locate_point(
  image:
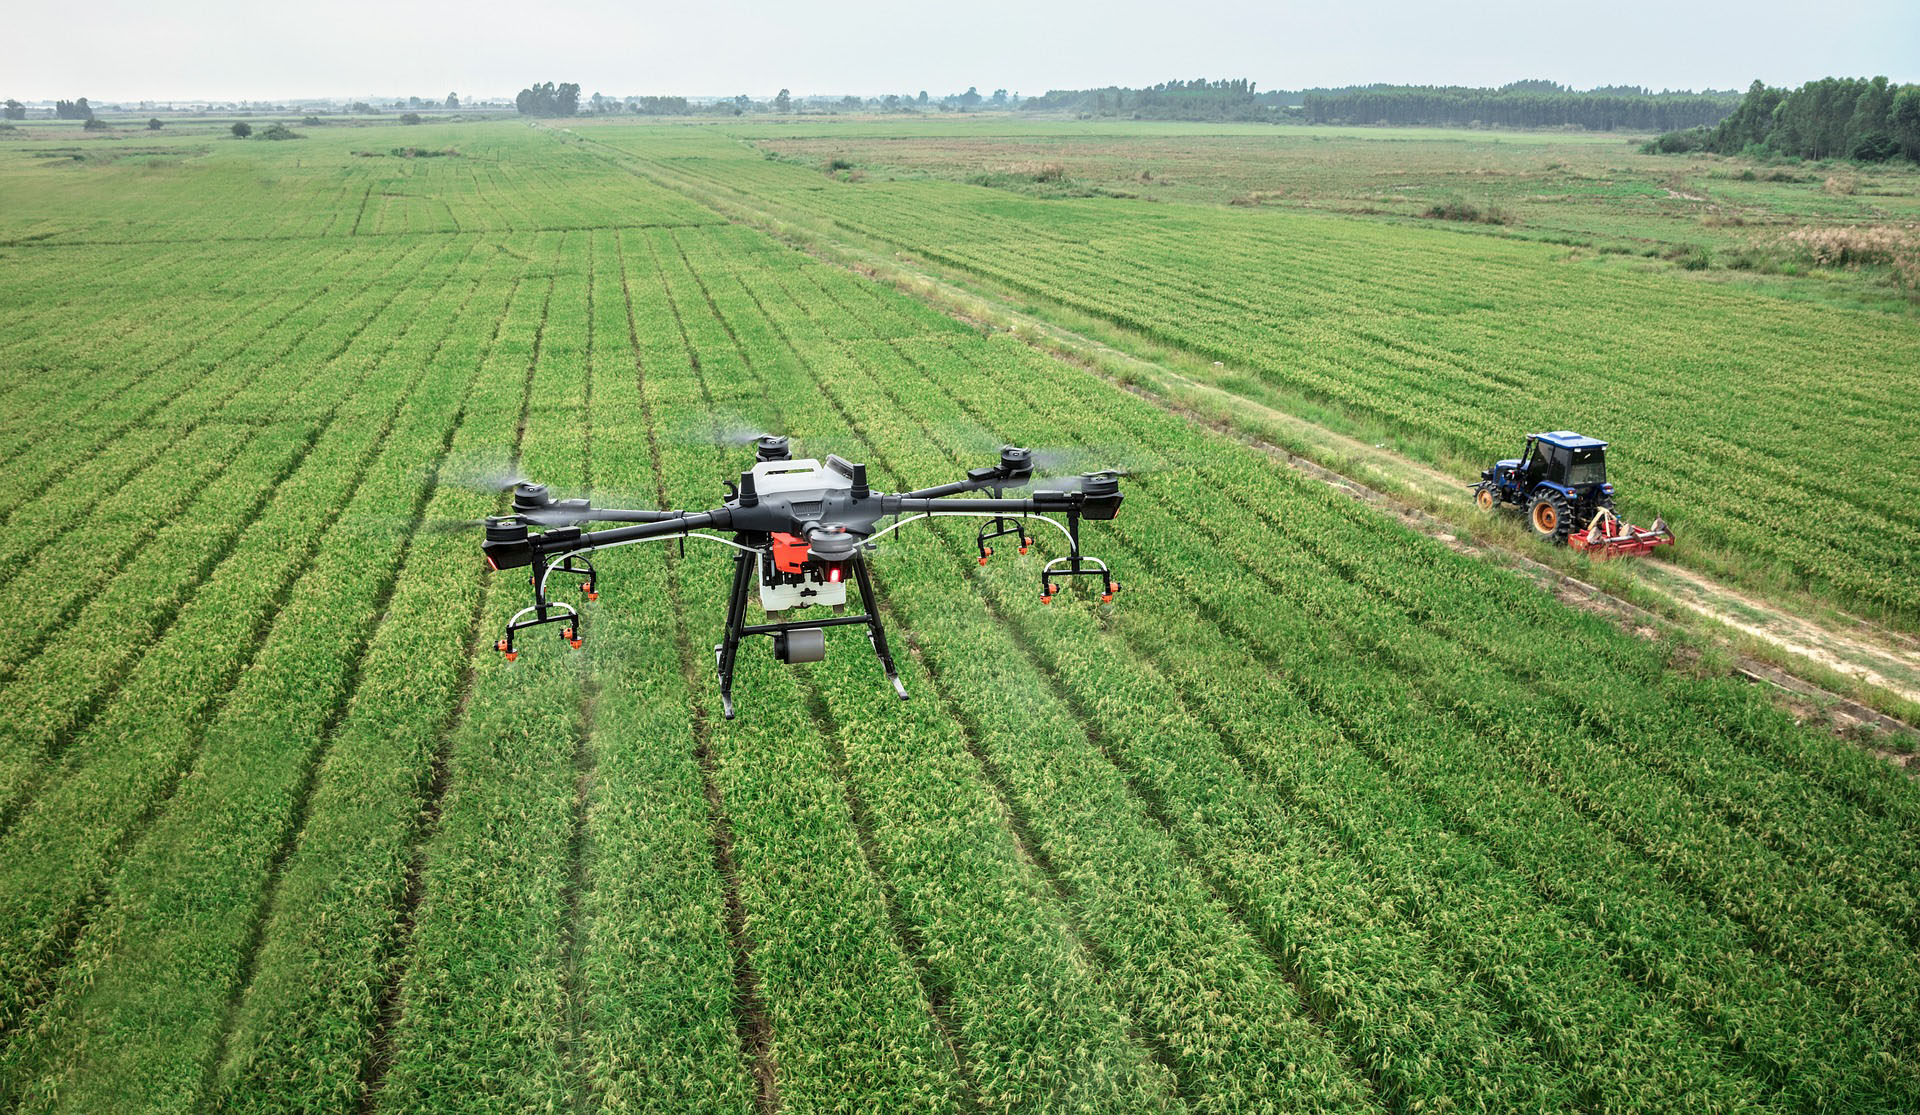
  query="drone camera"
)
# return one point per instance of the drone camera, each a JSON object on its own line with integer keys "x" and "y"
{"x": 507, "y": 545}
{"x": 803, "y": 644}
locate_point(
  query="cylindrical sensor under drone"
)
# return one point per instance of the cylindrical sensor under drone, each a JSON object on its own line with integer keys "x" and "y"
{"x": 808, "y": 644}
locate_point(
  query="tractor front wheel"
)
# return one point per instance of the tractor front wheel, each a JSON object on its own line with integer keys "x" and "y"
{"x": 1483, "y": 498}
{"x": 1549, "y": 514}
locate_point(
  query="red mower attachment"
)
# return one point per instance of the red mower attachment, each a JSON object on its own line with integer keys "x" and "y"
{"x": 1610, "y": 536}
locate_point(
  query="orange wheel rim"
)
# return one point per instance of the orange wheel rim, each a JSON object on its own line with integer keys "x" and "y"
{"x": 1545, "y": 518}
{"x": 1485, "y": 499}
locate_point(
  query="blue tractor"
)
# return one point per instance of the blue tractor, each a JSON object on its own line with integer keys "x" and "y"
{"x": 1560, "y": 479}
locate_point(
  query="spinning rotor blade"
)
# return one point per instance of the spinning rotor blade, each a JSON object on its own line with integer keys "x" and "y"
{"x": 491, "y": 472}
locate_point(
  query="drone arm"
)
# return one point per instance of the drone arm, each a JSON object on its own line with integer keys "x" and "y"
{"x": 664, "y": 524}
{"x": 614, "y": 515}
{"x": 1088, "y": 505}
{"x": 510, "y": 545}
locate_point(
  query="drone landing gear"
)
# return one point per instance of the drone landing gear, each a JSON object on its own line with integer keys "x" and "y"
{"x": 798, "y": 640}
{"x": 1075, "y": 564}
{"x": 552, "y": 611}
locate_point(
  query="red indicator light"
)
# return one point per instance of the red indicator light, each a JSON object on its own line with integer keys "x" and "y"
{"x": 833, "y": 575}
{"x": 491, "y": 565}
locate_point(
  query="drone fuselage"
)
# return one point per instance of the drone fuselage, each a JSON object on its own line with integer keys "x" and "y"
{"x": 789, "y": 576}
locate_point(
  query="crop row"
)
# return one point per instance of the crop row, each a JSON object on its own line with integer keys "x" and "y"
{"x": 64, "y": 465}
{"x": 194, "y": 883}
{"x": 1082, "y": 429}
{"x": 114, "y": 771}
{"x": 177, "y": 533}
{"x": 334, "y": 184}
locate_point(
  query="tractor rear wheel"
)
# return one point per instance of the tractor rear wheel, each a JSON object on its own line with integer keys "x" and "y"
{"x": 1483, "y": 498}
{"x": 1549, "y": 514}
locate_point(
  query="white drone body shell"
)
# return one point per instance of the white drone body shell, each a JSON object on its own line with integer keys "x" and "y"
{"x": 784, "y": 478}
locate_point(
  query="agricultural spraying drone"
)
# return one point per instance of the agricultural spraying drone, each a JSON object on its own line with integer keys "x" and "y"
{"x": 801, "y": 529}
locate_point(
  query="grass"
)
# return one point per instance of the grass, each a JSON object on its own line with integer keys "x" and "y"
{"x": 1317, "y": 815}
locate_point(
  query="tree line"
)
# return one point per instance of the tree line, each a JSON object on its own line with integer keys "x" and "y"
{"x": 1522, "y": 104}
{"x": 1198, "y": 99}
{"x": 1869, "y": 119}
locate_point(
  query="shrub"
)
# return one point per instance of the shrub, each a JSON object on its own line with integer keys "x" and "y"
{"x": 280, "y": 131}
{"x": 94, "y": 124}
{"x": 1894, "y": 247}
{"x": 155, "y": 124}
{"x": 242, "y": 129}
{"x": 1458, "y": 209}
{"x": 1676, "y": 143}
{"x": 409, "y": 118}
{"x": 1690, "y": 257}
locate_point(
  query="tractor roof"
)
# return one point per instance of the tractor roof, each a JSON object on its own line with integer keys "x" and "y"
{"x": 1567, "y": 439}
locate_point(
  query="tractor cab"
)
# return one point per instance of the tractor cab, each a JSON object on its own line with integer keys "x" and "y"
{"x": 1560, "y": 479}
{"x": 1564, "y": 460}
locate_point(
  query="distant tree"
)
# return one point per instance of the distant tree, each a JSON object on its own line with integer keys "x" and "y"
{"x": 601, "y": 103}
{"x": 891, "y": 102}
{"x": 453, "y": 100}
{"x": 548, "y": 99}
{"x": 95, "y": 124}
{"x": 16, "y": 110}
{"x": 409, "y": 118}
{"x": 241, "y": 129}
{"x": 361, "y": 108}
{"x": 154, "y": 124}
{"x": 971, "y": 98}
{"x": 851, "y": 103}
{"x": 998, "y": 99}
{"x": 741, "y": 104}
{"x": 783, "y": 101}
{"x": 922, "y": 98}
{"x": 1903, "y": 121}
{"x": 73, "y": 110}
{"x": 280, "y": 131}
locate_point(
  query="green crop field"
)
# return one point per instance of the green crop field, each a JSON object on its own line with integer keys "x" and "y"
{"x": 1318, "y": 814}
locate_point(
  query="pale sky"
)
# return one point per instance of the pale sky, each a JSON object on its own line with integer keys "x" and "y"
{"x": 120, "y": 50}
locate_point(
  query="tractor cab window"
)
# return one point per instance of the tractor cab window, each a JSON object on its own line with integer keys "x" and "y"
{"x": 1533, "y": 463}
{"x": 1589, "y": 466}
{"x": 1555, "y": 460}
